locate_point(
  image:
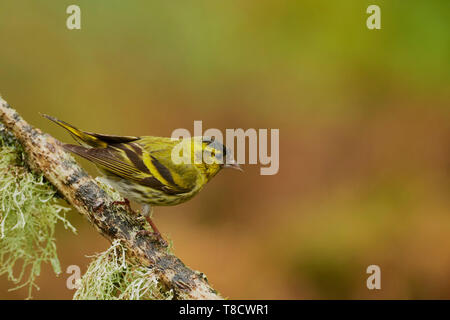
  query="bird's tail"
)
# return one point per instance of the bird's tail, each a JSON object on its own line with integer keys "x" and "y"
{"x": 84, "y": 138}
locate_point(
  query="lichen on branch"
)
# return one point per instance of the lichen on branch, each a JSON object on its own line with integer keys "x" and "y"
{"x": 29, "y": 211}
{"x": 111, "y": 276}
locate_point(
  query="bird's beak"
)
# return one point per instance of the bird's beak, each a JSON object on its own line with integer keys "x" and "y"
{"x": 233, "y": 165}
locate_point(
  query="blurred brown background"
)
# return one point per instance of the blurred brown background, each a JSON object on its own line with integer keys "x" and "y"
{"x": 364, "y": 132}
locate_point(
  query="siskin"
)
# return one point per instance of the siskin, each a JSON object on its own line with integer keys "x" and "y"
{"x": 142, "y": 169}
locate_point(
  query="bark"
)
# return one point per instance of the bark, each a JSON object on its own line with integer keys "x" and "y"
{"x": 46, "y": 155}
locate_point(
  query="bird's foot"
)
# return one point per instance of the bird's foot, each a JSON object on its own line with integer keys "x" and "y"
{"x": 155, "y": 235}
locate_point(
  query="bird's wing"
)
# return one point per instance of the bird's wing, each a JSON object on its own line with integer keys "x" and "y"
{"x": 130, "y": 161}
{"x": 108, "y": 159}
{"x": 180, "y": 176}
{"x": 108, "y": 138}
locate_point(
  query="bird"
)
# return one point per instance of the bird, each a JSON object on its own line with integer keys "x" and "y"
{"x": 150, "y": 170}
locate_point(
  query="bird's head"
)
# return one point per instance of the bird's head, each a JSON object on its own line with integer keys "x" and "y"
{"x": 216, "y": 156}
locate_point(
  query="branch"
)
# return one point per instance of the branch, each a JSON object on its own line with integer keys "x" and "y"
{"x": 46, "y": 155}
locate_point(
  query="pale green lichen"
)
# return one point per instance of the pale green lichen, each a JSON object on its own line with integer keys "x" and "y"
{"x": 111, "y": 276}
{"x": 29, "y": 211}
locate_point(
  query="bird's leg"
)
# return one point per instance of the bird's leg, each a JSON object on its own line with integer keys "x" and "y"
{"x": 147, "y": 212}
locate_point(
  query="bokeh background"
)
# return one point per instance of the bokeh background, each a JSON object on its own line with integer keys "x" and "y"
{"x": 364, "y": 119}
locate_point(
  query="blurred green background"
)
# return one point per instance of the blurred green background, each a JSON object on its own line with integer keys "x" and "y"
{"x": 364, "y": 132}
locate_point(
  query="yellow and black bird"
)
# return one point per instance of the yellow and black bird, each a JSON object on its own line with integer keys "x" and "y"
{"x": 144, "y": 169}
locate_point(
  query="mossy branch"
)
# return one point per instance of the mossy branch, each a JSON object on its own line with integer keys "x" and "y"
{"x": 44, "y": 155}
